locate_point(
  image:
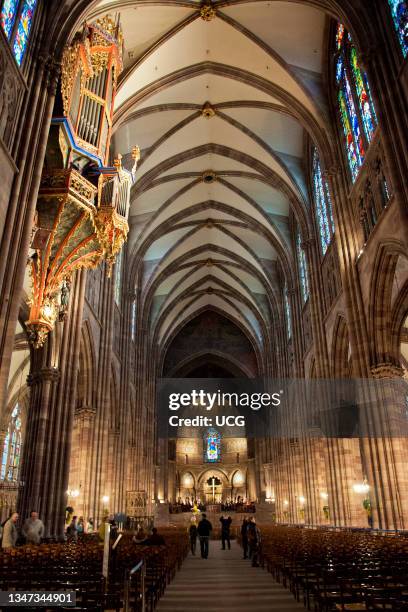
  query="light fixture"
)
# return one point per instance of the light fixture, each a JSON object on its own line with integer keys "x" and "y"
{"x": 105, "y": 499}
{"x": 361, "y": 487}
{"x": 324, "y": 495}
{"x": 302, "y": 499}
{"x": 285, "y": 502}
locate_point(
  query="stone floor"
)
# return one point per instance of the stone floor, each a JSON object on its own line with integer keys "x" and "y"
{"x": 225, "y": 583}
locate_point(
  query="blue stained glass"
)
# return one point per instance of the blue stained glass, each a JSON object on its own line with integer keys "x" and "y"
{"x": 212, "y": 453}
{"x": 354, "y": 120}
{"x": 23, "y": 29}
{"x": 356, "y": 105}
{"x": 364, "y": 96}
{"x": 8, "y": 16}
{"x": 399, "y": 11}
{"x": 339, "y": 68}
{"x": 323, "y": 204}
{"x": 304, "y": 281}
{"x": 287, "y": 313}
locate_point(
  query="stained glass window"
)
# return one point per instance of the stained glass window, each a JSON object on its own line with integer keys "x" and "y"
{"x": 133, "y": 320}
{"x": 304, "y": 281}
{"x": 23, "y": 29}
{"x": 9, "y": 11}
{"x": 399, "y": 11}
{"x": 323, "y": 204}
{"x": 356, "y": 106}
{"x": 212, "y": 446}
{"x": 364, "y": 96}
{"x": 12, "y": 448}
{"x": 22, "y": 12}
{"x": 287, "y": 313}
{"x": 118, "y": 277}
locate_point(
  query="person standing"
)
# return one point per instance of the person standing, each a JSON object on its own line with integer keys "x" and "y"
{"x": 254, "y": 542}
{"x": 244, "y": 537}
{"x": 193, "y": 538}
{"x": 33, "y": 529}
{"x": 204, "y": 530}
{"x": 72, "y": 530}
{"x": 225, "y": 531}
{"x": 10, "y": 533}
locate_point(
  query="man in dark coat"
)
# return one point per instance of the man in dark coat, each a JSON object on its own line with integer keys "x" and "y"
{"x": 244, "y": 537}
{"x": 225, "y": 531}
{"x": 204, "y": 530}
{"x": 254, "y": 542}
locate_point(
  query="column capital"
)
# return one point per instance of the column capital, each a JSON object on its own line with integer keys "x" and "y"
{"x": 386, "y": 370}
{"x": 54, "y": 70}
{"x": 43, "y": 375}
{"x": 131, "y": 295}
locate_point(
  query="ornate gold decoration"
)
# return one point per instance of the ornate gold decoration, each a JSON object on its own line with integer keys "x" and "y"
{"x": 208, "y": 176}
{"x": 207, "y": 111}
{"x": 70, "y": 61}
{"x": 386, "y": 370}
{"x": 207, "y": 11}
{"x": 78, "y": 226}
{"x": 80, "y": 223}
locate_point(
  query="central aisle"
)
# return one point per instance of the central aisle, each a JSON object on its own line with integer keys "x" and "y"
{"x": 225, "y": 582}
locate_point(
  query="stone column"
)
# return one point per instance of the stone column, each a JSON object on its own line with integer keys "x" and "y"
{"x": 80, "y": 476}
{"x": 35, "y": 125}
{"x": 3, "y": 434}
{"x": 47, "y": 448}
{"x": 387, "y": 449}
{"x": 99, "y": 448}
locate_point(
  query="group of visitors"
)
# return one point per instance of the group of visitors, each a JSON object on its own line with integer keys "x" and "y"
{"x": 31, "y": 533}
{"x": 251, "y": 540}
{"x": 77, "y": 527}
{"x": 203, "y": 531}
{"x": 250, "y": 536}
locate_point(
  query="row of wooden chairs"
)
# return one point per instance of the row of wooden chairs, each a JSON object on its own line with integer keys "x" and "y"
{"x": 339, "y": 570}
{"x": 78, "y": 567}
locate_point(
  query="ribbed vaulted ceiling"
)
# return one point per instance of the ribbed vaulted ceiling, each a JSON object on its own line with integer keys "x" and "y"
{"x": 220, "y": 110}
